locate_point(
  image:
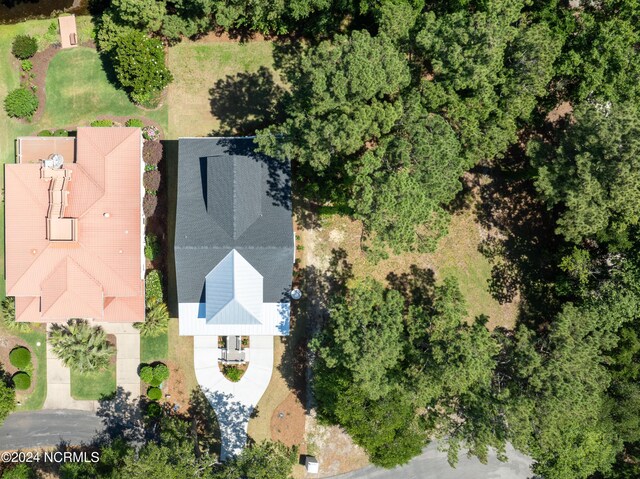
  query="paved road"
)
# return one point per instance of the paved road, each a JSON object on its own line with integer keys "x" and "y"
{"x": 433, "y": 464}
{"x": 48, "y": 428}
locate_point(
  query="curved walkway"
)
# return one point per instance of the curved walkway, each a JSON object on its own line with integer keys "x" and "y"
{"x": 233, "y": 402}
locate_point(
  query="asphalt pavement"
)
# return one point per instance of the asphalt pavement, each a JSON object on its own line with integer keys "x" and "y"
{"x": 432, "y": 464}
{"x": 48, "y": 428}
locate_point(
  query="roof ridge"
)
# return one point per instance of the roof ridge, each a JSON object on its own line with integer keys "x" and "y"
{"x": 64, "y": 277}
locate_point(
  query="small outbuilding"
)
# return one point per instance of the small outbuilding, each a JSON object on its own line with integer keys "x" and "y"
{"x": 312, "y": 465}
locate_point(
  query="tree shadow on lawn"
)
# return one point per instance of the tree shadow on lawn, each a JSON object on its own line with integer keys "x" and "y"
{"x": 246, "y": 102}
{"x": 309, "y": 315}
{"x": 521, "y": 242}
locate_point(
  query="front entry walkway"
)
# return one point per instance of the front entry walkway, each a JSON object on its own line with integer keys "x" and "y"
{"x": 233, "y": 402}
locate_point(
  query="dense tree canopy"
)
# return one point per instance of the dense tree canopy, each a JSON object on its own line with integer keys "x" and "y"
{"x": 594, "y": 172}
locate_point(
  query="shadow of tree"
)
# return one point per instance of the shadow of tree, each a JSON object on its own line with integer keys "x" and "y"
{"x": 521, "y": 241}
{"x": 232, "y": 417}
{"x": 204, "y": 423}
{"x": 309, "y": 314}
{"x": 417, "y": 286}
{"x": 122, "y": 418}
{"x": 246, "y": 102}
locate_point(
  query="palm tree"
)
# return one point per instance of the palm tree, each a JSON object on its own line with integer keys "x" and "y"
{"x": 80, "y": 346}
{"x": 156, "y": 320}
{"x": 8, "y": 311}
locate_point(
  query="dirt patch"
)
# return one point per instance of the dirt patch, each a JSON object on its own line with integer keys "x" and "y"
{"x": 40, "y": 62}
{"x": 7, "y": 343}
{"x": 335, "y": 450}
{"x": 288, "y": 422}
{"x": 560, "y": 111}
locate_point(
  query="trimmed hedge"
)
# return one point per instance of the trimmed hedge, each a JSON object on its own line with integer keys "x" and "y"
{"x": 153, "y": 287}
{"x": 151, "y": 247}
{"x": 21, "y": 103}
{"x": 161, "y": 372}
{"x": 103, "y": 122}
{"x": 152, "y": 152}
{"x": 45, "y": 133}
{"x": 149, "y": 205}
{"x": 154, "y": 393}
{"x": 61, "y": 132}
{"x": 21, "y": 380}
{"x": 154, "y": 375}
{"x": 20, "y": 357}
{"x": 146, "y": 374}
{"x": 24, "y": 46}
{"x": 151, "y": 180}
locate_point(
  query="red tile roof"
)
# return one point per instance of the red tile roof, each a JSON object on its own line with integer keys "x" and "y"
{"x": 74, "y": 278}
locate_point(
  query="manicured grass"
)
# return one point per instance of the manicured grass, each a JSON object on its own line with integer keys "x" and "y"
{"x": 196, "y": 68}
{"x": 154, "y": 348}
{"x": 94, "y": 385}
{"x": 78, "y": 91}
{"x": 39, "y": 376}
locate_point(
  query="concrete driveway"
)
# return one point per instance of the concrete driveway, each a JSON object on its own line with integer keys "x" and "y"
{"x": 233, "y": 402}
{"x": 432, "y": 464}
{"x": 127, "y": 362}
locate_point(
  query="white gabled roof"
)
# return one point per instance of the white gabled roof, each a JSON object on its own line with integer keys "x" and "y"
{"x": 234, "y": 292}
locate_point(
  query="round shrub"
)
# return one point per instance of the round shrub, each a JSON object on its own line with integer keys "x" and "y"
{"x": 20, "y": 357}
{"x": 161, "y": 373}
{"x": 61, "y": 133}
{"x": 21, "y": 380}
{"x": 24, "y": 46}
{"x": 154, "y": 393}
{"x": 26, "y": 65}
{"x": 149, "y": 205}
{"x": 151, "y": 180}
{"x": 153, "y": 410}
{"x": 134, "y": 122}
{"x": 21, "y": 103}
{"x": 45, "y": 133}
{"x": 233, "y": 373}
{"x": 152, "y": 152}
{"x": 146, "y": 374}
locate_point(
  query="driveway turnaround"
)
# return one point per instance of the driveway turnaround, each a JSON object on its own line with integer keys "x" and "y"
{"x": 432, "y": 464}
{"x": 233, "y": 402}
{"x": 48, "y": 428}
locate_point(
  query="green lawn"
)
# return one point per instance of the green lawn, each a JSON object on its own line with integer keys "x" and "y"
{"x": 155, "y": 348}
{"x": 94, "y": 385}
{"x": 39, "y": 394}
{"x": 197, "y": 67}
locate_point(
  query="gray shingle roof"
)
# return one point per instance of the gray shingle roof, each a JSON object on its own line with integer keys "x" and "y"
{"x": 230, "y": 197}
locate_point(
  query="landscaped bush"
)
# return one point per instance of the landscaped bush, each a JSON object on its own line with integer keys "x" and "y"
{"x": 152, "y": 152}
{"x": 81, "y": 346}
{"x": 156, "y": 320}
{"x": 154, "y": 375}
{"x": 151, "y": 247}
{"x": 146, "y": 374}
{"x": 45, "y": 133}
{"x": 103, "y": 122}
{"x": 151, "y": 180}
{"x": 21, "y": 380}
{"x": 161, "y": 373}
{"x": 139, "y": 65}
{"x": 232, "y": 373}
{"x": 153, "y": 287}
{"x": 150, "y": 133}
{"x": 21, "y": 103}
{"x": 61, "y": 133}
{"x": 19, "y": 471}
{"x": 154, "y": 393}
{"x": 26, "y": 65}
{"x": 24, "y": 46}
{"x": 153, "y": 410}
{"x": 134, "y": 122}
{"x": 20, "y": 357}
{"x": 149, "y": 205}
